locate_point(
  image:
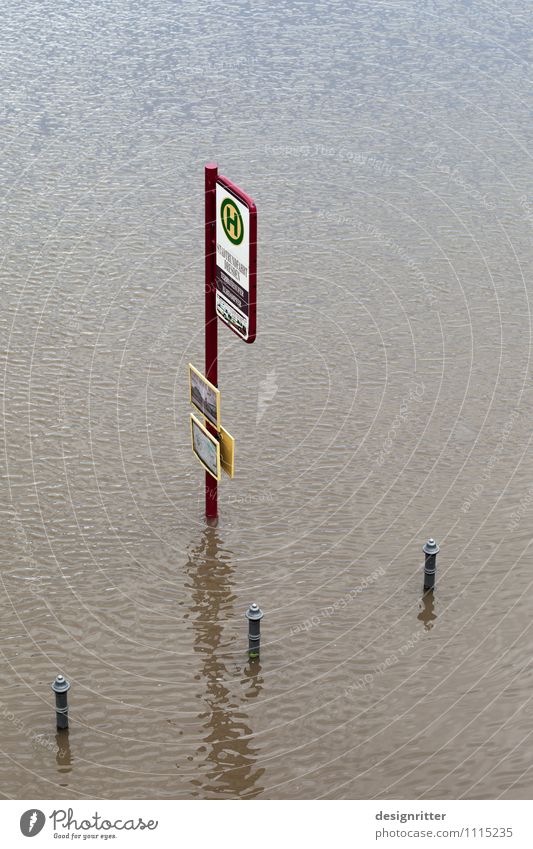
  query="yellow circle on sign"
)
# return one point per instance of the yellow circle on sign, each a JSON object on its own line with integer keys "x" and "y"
{"x": 232, "y": 221}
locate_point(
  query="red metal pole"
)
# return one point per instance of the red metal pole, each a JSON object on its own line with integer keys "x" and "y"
{"x": 211, "y": 340}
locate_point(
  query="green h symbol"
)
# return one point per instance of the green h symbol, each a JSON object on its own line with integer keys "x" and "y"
{"x": 232, "y": 221}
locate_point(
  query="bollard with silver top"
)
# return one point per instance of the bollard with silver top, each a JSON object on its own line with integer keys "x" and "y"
{"x": 61, "y": 687}
{"x": 431, "y": 550}
{"x": 254, "y": 614}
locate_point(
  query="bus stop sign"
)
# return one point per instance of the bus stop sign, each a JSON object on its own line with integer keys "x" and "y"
{"x": 236, "y": 259}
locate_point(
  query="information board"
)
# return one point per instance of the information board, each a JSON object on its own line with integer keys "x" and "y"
{"x": 206, "y": 447}
{"x": 204, "y": 396}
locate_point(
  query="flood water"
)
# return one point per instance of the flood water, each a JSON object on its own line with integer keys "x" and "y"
{"x": 387, "y": 399}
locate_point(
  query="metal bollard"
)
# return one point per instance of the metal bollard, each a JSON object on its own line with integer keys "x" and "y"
{"x": 431, "y": 550}
{"x": 61, "y": 687}
{"x": 254, "y": 614}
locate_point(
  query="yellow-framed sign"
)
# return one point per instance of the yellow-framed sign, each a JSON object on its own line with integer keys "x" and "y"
{"x": 206, "y": 447}
{"x": 205, "y": 396}
{"x": 227, "y": 452}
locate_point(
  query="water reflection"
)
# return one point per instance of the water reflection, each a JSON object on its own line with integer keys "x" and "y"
{"x": 427, "y": 614}
{"x": 230, "y": 755}
{"x": 63, "y": 754}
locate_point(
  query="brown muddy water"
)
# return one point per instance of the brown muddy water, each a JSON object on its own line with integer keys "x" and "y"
{"x": 387, "y": 399}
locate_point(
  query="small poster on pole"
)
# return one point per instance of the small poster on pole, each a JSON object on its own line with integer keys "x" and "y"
{"x": 236, "y": 259}
{"x": 204, "y": 396}
{"x": 206, "y": 447}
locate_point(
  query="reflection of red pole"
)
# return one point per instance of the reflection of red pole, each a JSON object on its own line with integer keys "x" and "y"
{"x": 211, "y": 172}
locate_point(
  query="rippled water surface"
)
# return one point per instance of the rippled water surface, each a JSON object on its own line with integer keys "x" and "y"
{"x": 387, "y": 399}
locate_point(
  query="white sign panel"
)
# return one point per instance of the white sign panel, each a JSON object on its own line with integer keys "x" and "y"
{"x": 233, "y": 264}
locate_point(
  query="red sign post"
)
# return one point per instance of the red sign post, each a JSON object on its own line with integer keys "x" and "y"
{"x": 230, "y": 279}
{"x": 211, "y": 328}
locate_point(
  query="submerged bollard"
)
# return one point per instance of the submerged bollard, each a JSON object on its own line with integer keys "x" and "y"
{"x": 254, "y": 614}
{"x": 61, "y": 687}
{"x": 431, "y": 550}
